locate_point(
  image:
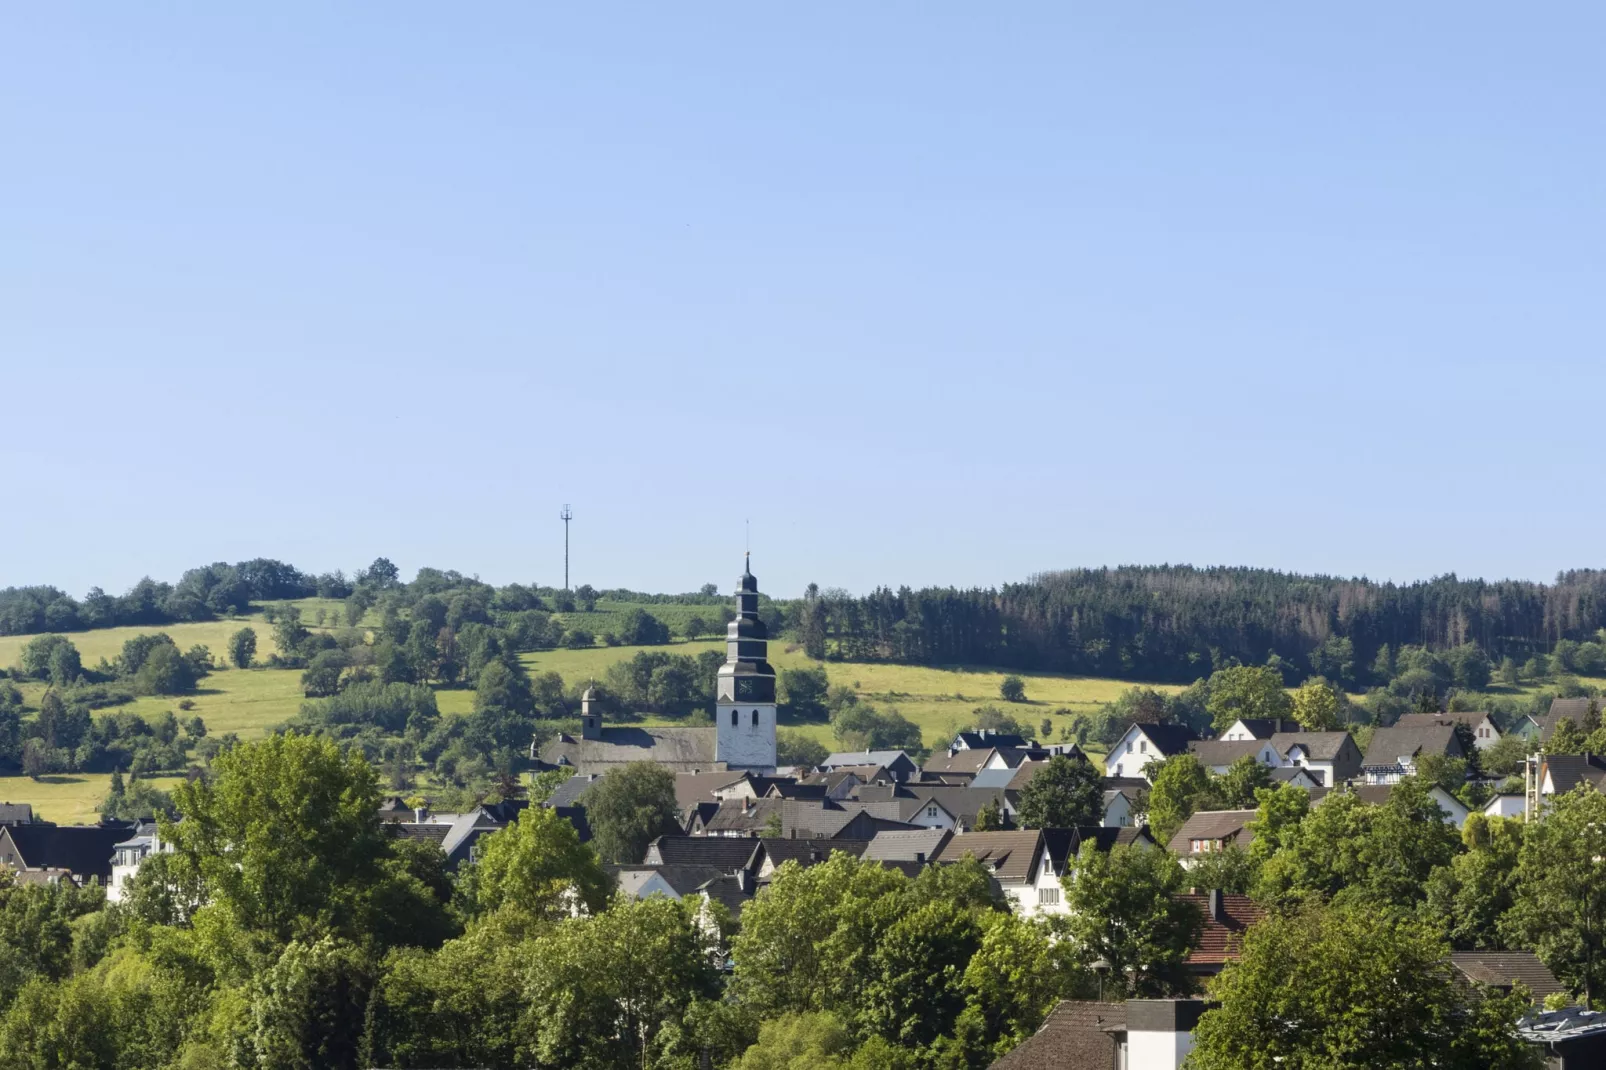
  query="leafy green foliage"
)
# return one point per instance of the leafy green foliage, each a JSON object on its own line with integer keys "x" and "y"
{"x": 1123, "y": 908}
{"x": 1066, "y": 793}
{"x": 1012, "y": 689}
{"x": 1246, "y": 691}
{"x": 1349, "y": 985}
{"x": 1559, "y": 907}
{"x": 628, "y": 808}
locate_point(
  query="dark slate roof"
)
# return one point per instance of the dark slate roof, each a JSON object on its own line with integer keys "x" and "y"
{"x": 1221, "y": 939}
{"x": 1320, "y": 746}
{"x": 1211, "y": 752}
{"x": 569, "y": 792}
{"x": 1390, "y": 744}
{"x": 727, "y": 853}
{"x": 1502, "y": 969}
{"x": 432, "y": 831}
{"x": 1213, "y": 825}
{"x": 1076, "y": 1035}
{"x": 907, "y": 846}
{"x": 16, "y": 814}
{"x": 732, "y": 891}
{"x": 1063, "y": 845}
{"x": 683, "y": 879}
{"x": 85, "y": 850}
{"x": 780, "y": 850}
{"x": 1294, "y": 772}
{"x": 1132, "y": 785}
{"x": 1266, "y": 727}
{"x": 988, "y": 738}
{"x": 746, "y": 816}
{"x": 1567, "y": 771}
{"x": 1011, "y": 855}
{"x": 576, "y": 816}
{"x": 1169, "y": 739}
{"x": 680, "y": 749}
{"x": 793, "y": 789}
{"x": 1573, "y": 708}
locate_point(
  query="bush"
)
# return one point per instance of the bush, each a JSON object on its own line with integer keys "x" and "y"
{"x": 1012, "y": 689}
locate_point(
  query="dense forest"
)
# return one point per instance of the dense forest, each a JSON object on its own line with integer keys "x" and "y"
{"x": 1176, "y": 622}
{"x": 1166, "y": 622}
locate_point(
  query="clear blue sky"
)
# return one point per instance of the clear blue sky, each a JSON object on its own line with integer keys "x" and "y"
{"x": 932, "y": 293}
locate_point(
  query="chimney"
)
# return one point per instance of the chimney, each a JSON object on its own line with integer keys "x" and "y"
{"x": 1218, "y": 906}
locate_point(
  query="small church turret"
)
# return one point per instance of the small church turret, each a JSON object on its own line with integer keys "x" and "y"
{"x": 590, "y": 719}
{"x": 744, "y": 713}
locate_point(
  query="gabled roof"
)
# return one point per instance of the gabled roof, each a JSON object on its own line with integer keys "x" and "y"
{"x": 1567, "y": 771}
{"x": 1391, "y": 744}
{"x": 1321, "y": 746}
{"x": 1502, "y": 969}
{"x": 680, "y": 749}
{"x": 907, "y": 846}
{"x": 568, "y": 793}
{"x": 804, "y": 852}
{"x": 693, "y": 788}
{"x": 1012, "y": 856}
{"x": 1168, "y": 739}
{"x": 1221, "y": 939}
{"x": 964, "y": 761}
{"x": 683, "y": 879}
{"x": 743, "y": 815}
{"x": 886, "y": 758}
{"x": 1284, "y": 774}
{"x": 725, "y": 853}
{"x": 733, "y": 891}
{"x": 986, "y": 737}
{"x": 1570, "y": 709}
{"x": 1076, "y": 1035}
{"x": 1214, "y": 752}
{"x": 1230, "y": 825}
{"x": 16, "y": 813}
{"x": 1132, "y": 785}
{"x": 1001, "y": 778}
{"x": 793, "y": 789}
{"x": 1062, "y": 845}
{"x": 1266, "y": 727}
{"x": 1470, "y": 718}
{"x": 84, "y": 850}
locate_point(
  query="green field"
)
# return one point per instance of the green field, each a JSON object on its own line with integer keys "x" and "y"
{"x": 251, "y": 701}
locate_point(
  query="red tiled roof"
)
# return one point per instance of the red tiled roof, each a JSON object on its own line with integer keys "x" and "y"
{"x": 1222, "y": 941}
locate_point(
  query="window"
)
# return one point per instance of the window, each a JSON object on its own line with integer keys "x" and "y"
{"x": 1144, "y": 746}
{"x": 1129, "y": 746}
{"x": 1048, "y": 896}
{"x": 931, "y": 811}
{"x": 755, "y": 718}
{"x": 734, "y": 714}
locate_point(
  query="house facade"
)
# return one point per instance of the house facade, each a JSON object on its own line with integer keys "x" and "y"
{"x": 1143, "y": 743}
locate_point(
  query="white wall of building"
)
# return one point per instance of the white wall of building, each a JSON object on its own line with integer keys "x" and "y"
{"x": 740, "y": 742}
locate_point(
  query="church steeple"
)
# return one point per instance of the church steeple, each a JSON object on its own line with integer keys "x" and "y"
{"x": 745, "y": 690}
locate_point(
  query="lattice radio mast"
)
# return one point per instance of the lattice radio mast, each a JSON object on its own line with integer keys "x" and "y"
{"x": 567, "y": 515}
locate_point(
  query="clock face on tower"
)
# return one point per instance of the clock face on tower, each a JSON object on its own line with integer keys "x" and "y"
{"x": 746, "y": 688}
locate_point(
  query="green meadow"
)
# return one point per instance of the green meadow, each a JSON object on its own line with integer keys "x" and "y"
{"x": 250, "y": 702}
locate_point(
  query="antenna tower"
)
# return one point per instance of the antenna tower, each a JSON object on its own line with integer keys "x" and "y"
{"x": 567, "y": 515}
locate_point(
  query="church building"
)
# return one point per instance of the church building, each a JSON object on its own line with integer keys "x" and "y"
{"x": 743, "y": 736}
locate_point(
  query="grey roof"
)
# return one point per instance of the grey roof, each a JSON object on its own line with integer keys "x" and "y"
{"x": 987, "y": 737}
{"x": 1011, "y": 855}
{"x": 16, "y": 813}
{"x": 864, "y": 757}
{"x": 743, "y": 815}
{"x": 569, "y": 792}
{"x": 732, "y": 891}
{"x": 683, "y": 879}
{"x": 1470, "y": 718}
{"x": 1502, "y": 969}
{"x": 808, "y": 852}
{"x": 1231, "y": 825}
{"x": 681, "y": 749}
{"x": 999, "y": 778}
{"x": 1390, "y": 744}
{"x": 1213, "y": 752}
{"x": 1556, "y": 1027}
{"x": 1286, "y": 773}
{"x": 1567, "y": 771}
{"x": 693, "y": 788}
{"x": 964, "y": 761}
{"x": 1321, "y": 746}
{"x": 906, "y": 846}
{"x": 1266, "y": 727}
{"x": 1169, "y": 739}
{"x": 1063, "y": 845}
{"x": 84, "y": 850}
{"x": 725, "y": 853}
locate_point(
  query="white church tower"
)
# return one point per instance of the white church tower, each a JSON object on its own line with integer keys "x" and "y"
{"x": 744, "y": 711}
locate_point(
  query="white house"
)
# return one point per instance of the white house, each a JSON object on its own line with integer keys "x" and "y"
{"x": 1332, "y": 756}
{"x": 129, "y": 855}
{"x": 1117, "y": 809}
{"x": 1507, "y": 804}
{"x": 1258, "y": 728}
{"x": 1141, "y": 744}
{"x": 1030, "y": 865}
{"x": 1218, "y": 755}
{"x": 1485, "y": 733}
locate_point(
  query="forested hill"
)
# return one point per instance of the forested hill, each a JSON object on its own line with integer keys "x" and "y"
{"x": 1176, "y": 622}
{"x": 1166, "y": 622}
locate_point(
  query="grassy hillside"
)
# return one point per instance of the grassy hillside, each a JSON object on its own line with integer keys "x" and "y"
{"x": 251, "y": 701}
